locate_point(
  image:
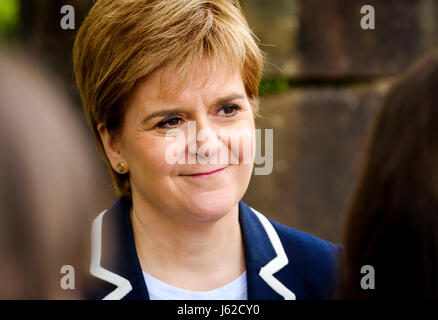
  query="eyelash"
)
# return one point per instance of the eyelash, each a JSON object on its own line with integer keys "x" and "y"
{"x": 231, "y": 105}
{"x": 163, "y": 123}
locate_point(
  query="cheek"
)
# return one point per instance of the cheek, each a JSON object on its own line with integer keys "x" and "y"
{"x": 148, "y": 157}
{"x": 241, "y": 142}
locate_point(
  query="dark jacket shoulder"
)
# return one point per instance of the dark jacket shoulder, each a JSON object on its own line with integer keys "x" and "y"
{"x": 315, "y": 261}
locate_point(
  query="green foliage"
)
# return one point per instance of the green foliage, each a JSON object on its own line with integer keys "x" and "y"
{"x": 270, "y": 86}
{"x": 9, "y": 15}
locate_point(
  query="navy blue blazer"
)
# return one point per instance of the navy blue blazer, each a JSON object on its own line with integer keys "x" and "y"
{"x": 281, "y": 262}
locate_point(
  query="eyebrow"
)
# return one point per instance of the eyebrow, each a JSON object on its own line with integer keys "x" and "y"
{"x": 171, "y": 112}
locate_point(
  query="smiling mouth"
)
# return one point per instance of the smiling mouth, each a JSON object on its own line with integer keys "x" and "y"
{"x": 204, "y": 174}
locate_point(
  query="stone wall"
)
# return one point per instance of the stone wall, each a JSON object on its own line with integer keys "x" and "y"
{"x": 323, "y": 38}
{"x": 338, "y": 74}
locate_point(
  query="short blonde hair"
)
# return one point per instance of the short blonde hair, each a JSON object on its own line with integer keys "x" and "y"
{"x": 121, "y": 42}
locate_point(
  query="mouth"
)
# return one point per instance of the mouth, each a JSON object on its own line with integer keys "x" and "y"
{"x": 204, "y": 174}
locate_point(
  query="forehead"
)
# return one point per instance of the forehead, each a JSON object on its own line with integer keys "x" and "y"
{"x": 209, "y": 78}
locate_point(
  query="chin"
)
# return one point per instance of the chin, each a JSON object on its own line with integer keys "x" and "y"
{"x": 212, "y": 206}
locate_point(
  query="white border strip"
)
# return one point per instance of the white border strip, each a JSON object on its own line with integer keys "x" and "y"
{"x": 279, "y": 262}
{"x": 123, "y": 284}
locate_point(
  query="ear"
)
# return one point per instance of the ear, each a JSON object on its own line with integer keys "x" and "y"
{"x": 112, "y": 148}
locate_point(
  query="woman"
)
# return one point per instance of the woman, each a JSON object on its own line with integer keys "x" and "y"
{"x": 150, "y": 73}
{"x": 392, "y": 225}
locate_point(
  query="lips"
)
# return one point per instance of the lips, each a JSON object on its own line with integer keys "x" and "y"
{"x": 204, "y": 173}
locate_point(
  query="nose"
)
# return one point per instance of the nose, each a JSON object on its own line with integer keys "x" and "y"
{"x": 203, "y": 141}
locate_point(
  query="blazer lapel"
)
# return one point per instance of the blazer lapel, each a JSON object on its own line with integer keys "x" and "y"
{"x": 120, "y": 266}
{"x": 264, "y": 255}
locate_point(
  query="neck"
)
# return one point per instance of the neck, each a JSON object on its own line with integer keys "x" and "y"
{"x": 194, "y": 255}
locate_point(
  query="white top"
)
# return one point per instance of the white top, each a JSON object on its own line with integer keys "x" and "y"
{"x": 159, "y": 290}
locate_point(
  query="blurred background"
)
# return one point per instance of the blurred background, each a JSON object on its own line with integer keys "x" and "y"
{"x": 324, "y": 80}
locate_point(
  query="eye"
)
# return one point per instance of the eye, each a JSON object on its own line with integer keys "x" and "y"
{"x": 229, "y": 110}
{"x": 169, "y": 123}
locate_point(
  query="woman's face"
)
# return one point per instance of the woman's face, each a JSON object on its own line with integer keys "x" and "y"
{"x": 159, "y": 130}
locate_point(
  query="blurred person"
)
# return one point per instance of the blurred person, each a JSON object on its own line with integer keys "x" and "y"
{"x": 392, "y": 223}
{"x": 144, "y": 70}
{"x": 50, "y": 186}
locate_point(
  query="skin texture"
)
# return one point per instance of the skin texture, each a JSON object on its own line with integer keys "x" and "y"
{"x": 186, "y": 226}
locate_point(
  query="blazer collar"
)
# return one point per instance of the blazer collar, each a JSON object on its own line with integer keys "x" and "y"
{"x": 112, "y": 233}
{"x": 264, "y": 254}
